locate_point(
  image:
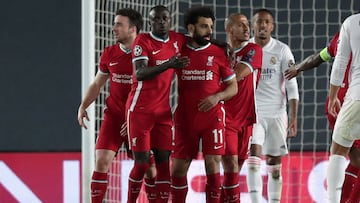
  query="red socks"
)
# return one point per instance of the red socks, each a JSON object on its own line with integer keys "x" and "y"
{"x": 213, "y": 188}
{"x": 150, "y": 189}
{"x": 163, "y": 182}
{"x": 99, "y": 182}
{"x": 135, "y": 181}
{"x": 355, "y": 194}
{"x": 179, "y": 189}
{"x": 349, "y": 182}
{"x": 231, "y": 187}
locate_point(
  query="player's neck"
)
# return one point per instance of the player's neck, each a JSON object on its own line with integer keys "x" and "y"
{"x": 262, "y": 42}
{"x": 127, "y": 43}
{"x": 235, "y": 44}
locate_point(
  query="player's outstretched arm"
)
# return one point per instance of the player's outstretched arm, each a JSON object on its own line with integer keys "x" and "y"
{"x": 143, "y": 72}
{"x": 90, "y": 96}
{"x": 310, "y": 62}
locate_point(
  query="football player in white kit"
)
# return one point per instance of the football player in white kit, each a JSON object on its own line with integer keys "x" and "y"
{"x": 347, "y": 125}
{"x": 273, "y": 126}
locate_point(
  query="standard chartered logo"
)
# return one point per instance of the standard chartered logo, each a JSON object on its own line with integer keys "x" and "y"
{"x": 197, "y": 75}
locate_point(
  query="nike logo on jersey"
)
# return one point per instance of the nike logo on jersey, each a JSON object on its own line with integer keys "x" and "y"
{"x": 155, "y": 52}
{"x": 218, "y": 147}
{"x": 113, "y": 64}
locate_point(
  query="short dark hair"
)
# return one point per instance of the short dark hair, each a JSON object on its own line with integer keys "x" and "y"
{"x": 193, "y": 14}
{"x": 266, "y": 11}
{"x": 159, "y": 8}
{"x": 135, "y": 18}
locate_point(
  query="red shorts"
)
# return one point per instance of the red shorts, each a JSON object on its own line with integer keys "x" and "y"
{"x": 150, "y": 131}
{"x": 237, "y": 141}
{"x": 332, "y": 119}
{"x": 109, "y": 135}
{"x": 209, "y": 127}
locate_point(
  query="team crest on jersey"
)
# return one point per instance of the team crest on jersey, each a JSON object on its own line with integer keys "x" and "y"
{"x": 176, "y": 47}
{"x": 137, "y": 50}
{"x": 210, "y": 61}
{"x": 209, "y": 75}
{"x": 273, "y": 60}
{"x": 133, "y": 141}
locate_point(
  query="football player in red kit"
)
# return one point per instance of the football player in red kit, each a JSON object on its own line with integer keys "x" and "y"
{"x": 115, "y": 65}
{"x": 200, "y": 113}
{"x": 240, "y": 110}
{"x": 155, "y": 56}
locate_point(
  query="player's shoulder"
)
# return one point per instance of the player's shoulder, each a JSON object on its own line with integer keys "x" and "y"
{"x": 252, "y": 45}
{"x": 355, "y": 17}
{"x": 143, "y": 36}
{"x": 279, "y": 43}
{"x": 110, "y": 49}
{"x": 176, "y": 36}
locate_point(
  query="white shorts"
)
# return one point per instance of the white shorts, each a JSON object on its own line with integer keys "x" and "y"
{"x": 347, "y": 125}
{"x": 271, "y": 134}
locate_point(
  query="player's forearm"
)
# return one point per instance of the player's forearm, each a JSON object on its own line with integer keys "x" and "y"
{"x": 310, "y": 62}
{"x": 293, "y": 109}
{"x": 333, "y": 91}
{"x": 148, "y": 73}
{"x": 90, "y": 96}
{"x": 230, "y": 91}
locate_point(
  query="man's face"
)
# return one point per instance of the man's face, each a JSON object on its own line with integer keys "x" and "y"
{"x": 203, "y": 30}
{"x": 160, "y": 22}
{"x": 122, "y": 29}
{"x": 240, "y": 29}
{"x": 263, "y": 25}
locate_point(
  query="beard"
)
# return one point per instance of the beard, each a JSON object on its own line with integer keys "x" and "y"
{"x": 199, "y": 39}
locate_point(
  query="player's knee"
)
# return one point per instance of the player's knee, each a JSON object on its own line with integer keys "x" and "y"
{"x": 254, "y": 163}
{"x": 230, "y": 163}
{"x": 354, "y": 156}
{"x": 274, "y": 170}
{"x": 141, "y": 157}
{"x": 161, "y": 156}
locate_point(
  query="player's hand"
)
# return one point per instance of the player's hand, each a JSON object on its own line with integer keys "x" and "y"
{"x": 123, "y": 130}
{"x": 291, "y": 72}
{"x": 81, "y": 115}
{"x": 292, "y": 128}
{"x": 334, "y": 106}
{"x": 208, "y": 103}
{"x": 179, "y": 61}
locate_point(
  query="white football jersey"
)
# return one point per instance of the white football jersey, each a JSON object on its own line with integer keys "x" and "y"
{"x": 274, "y": 89}
{"x": 349, "y": 43}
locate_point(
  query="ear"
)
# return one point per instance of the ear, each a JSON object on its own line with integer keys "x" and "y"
{"x": 191, "y": 28}
{"x": 132, "y": 29}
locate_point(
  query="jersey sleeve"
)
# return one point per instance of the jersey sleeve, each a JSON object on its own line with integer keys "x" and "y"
{"x": 288, "y": 58}
{"x": 255, "y": 57}
{"x": 342, "y": 55}
{"x": 291, "y": 86}
{"x": 227, "y": 73}
{"x": 104, "y": 62}
{"x": 140, "y": 50}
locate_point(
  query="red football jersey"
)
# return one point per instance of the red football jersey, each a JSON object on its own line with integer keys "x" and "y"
{"x": 207, "y": 69}
{"x": 116, "y": 61}
{"x": 332, "y": 49}
{"x": 153, "y": 95}
{"x": 240, "y": 109}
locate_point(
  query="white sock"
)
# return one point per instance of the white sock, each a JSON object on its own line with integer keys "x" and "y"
{"x": 335, "y": 177}
{"x": 274, "y": 186}
{"x": 254, "y": 179}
